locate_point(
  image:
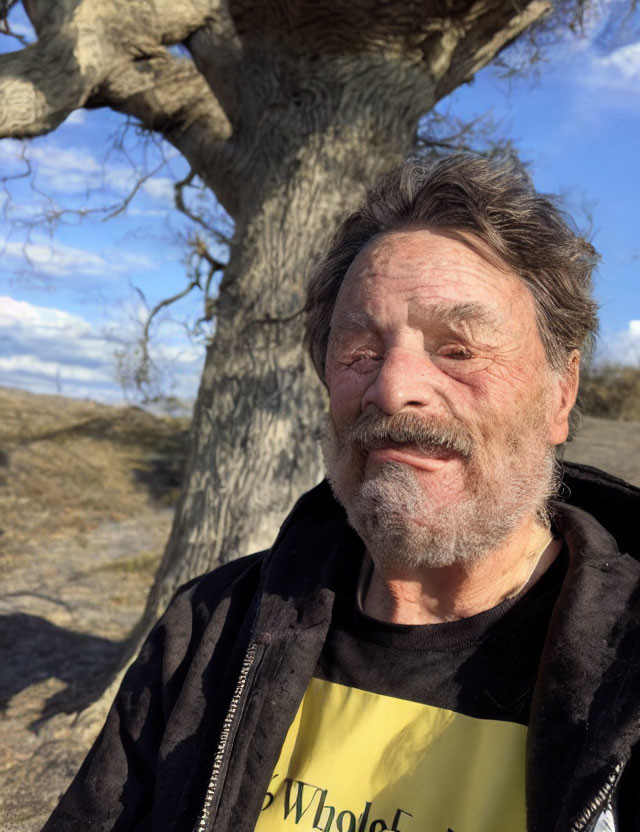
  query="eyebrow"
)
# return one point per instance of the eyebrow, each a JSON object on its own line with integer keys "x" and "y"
{"x": 450, "y": 314}
{"x": 456, "y": 314}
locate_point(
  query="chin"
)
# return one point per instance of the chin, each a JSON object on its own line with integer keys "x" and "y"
{"x": 454, "y": 515}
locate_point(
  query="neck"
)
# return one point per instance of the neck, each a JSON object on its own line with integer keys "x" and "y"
{"x": 432, "y": 595}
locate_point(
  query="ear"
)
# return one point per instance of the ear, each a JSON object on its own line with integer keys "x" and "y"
{"x": 566, "y": 392}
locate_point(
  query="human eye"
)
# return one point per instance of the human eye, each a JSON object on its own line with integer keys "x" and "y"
{"x": 456, "y": 352}
{"x": 362, "y": 357}
{"x": 362, "y": 361}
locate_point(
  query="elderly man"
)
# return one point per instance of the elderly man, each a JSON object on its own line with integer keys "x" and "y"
{"x": 446, "y": 638}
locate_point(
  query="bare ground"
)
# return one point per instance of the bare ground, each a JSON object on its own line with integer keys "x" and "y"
{"x": 86, "y": 495}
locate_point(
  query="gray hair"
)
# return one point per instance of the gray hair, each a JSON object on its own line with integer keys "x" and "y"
{"x": 493, "y": 202}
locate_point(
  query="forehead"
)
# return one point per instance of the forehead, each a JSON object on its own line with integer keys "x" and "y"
{"x": 422, "y": 267}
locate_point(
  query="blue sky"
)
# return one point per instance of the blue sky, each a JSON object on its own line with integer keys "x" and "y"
{"x": 68, "y": 296}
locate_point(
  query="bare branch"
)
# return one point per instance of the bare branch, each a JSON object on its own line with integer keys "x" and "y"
{"x": 142, "y": 296}
{"x": 168, "y": 301}
{"x": 136, "y": 367}
{"x": 158, "y": 307}
{"x": 25, "y": 174}
{"x": 180, "y": 204}
{"x": 442, "y": 132}
{"x": 197, "y": 218}
{"x": 5, "y": 28}
{"x": 122, "y": 207}
{"x": 210, "y": 304}
{"x": 201, "y": 250}
{"x": 484, "y": 33}
{"x": 168, "y": 95}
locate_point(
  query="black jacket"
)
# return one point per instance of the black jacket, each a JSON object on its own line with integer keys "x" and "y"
{"x": 196, "y": 729}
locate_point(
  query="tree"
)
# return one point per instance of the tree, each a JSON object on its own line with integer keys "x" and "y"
{"x": 286, "y": 110}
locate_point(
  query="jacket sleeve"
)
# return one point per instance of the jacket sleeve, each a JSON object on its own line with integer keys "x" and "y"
{"x": 114, "y": 788}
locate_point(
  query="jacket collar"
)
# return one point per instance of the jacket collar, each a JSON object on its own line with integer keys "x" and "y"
{"x": 585, "y": 716}
{"x": 314, "y": 553}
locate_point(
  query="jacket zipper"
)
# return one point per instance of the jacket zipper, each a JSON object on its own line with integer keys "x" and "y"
{"x": 599, "y": 802}
{"x": 229, "y": 727}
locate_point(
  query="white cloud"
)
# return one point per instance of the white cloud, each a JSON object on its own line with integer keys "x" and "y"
{"x": 30, "y": 365}
{"x": 626, "y": 60}
{"x": 50, "y": 158}
{"x": 49, "y": 335}
{"x": 39, "y": 318}
{"x": 160, "y": 188}
{"x": 147, "y": 212}
{"x": 47, "y": 350}
{"x": 54, "y": 259}
{"x": 51, "y": 259}
{"x": 76, "y": 170}
{"x": 76, "y": 117}
{"x": 128, "y": 261}
{"x": 618, "y": 71}
{"x": 623, "y": 347}
{"x": 11, "y": 154}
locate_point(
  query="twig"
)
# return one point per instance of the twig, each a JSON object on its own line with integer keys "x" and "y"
{"x": 127, "y": 200}
{"x": 167, "y": 302}
{"x": 184, "y": 209}
{"x": 269, "y": 320}
{"x": 5, "y": 29}
{"x": 40, "y": 595}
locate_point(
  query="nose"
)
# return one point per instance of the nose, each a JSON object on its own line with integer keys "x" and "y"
{"x": 405, "y": 378}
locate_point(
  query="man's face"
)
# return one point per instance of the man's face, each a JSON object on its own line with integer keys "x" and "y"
{"x": 443, "y": 408}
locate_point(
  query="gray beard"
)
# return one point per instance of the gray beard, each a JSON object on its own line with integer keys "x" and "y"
{"x": 392, "y": 515}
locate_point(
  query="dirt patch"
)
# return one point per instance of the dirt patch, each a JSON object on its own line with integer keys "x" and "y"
{"x": 64, "y": 611}
{"x": 611, "y": 445}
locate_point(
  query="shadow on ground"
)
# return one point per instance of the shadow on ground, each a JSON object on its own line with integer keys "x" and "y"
{"x": 33, "y": 650}
{"x": 162, "y": 477}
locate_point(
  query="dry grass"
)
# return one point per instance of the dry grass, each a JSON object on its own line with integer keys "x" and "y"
{"x": 66, "y": 466}
{"x": 611, "y": 391}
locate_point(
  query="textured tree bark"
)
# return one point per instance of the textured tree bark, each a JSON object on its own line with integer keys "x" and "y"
{"x": 288, "y": 110}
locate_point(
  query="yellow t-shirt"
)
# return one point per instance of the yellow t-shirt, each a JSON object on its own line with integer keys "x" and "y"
{"x": 356, "y": 761}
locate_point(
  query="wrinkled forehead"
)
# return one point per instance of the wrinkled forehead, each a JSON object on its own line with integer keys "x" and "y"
{"x": 378, "y": 246}
{"x": 456, "y": 276}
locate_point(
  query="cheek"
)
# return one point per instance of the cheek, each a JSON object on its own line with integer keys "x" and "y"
{"x": 345, "y": 396}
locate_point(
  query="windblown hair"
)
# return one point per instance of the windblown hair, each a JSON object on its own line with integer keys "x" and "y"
{"x": 481, "y": 200}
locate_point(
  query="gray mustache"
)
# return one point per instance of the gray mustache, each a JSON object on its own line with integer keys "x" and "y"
{"x": 373, "y": 430}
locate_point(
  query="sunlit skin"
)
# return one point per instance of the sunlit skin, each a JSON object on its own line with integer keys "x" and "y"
{"x": 423, "y": 322}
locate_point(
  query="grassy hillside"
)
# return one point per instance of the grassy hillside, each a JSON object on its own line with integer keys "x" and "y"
{"x": 68, "y": 465}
